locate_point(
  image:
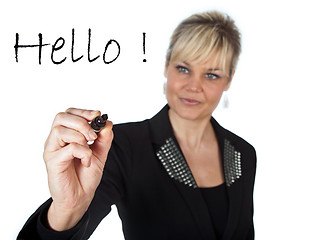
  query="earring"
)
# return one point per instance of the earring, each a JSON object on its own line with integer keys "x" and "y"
{"x": 226, "y": 102}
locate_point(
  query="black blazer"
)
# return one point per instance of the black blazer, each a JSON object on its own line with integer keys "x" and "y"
{"x": 147, "y": 177}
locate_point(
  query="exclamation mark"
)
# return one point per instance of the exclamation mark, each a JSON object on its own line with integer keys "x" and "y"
{"x": 144, "y": 38}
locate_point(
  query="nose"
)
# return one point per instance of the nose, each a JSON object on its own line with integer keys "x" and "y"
{"x": 194, "y": 84}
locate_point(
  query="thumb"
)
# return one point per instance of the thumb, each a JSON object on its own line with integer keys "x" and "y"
{"x": 103, "y": 143}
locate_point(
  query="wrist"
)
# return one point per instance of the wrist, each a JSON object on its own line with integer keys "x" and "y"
{"x": 63, "y": 219}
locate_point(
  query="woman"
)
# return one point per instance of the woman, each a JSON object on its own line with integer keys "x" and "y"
{"x": 178, "y": 175}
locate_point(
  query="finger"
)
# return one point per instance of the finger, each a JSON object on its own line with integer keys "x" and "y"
{"x": 102, "y": 145}
{"x": 64, "y": 157}
{"x": 75, "y": 122}
{"x": 86, "y": 114}
{"x": 60, "y": 136}
{"x": 104, "y": 135}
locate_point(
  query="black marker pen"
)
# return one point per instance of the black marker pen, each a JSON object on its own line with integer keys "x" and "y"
{"x": 97, "y": 124}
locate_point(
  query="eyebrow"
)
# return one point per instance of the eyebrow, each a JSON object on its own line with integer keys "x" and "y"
{"x": 207, "y": 69}
{"x": 214, "y": 69}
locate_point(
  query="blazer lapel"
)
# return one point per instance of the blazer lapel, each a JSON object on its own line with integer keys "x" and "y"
{"x": 235, "y": 200}
{"x": 232, "y": 172}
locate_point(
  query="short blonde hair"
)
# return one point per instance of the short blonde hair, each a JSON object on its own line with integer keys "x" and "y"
{"x": 204, "y": 35}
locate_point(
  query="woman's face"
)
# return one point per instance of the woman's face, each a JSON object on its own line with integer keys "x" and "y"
{"x": 193, "y": 91}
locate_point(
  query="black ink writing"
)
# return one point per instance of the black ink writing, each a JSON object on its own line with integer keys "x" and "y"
{"x": 55, "y": 48}
{"x": 72, "y": 48}
{"x": 40, "y": 45}
{"x": 106, "y": 47}
{"x": 89, "y": 43}
{"x": 60, "y": 43}
{"x": 144, "y": 49}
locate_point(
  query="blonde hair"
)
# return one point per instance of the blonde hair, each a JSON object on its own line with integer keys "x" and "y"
{"x": 205, "y": 35}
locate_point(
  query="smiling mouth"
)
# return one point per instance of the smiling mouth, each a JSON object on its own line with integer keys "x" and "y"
{"x": 190, "y": 102}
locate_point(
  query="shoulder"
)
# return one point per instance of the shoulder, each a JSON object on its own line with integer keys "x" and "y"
{"x": 238, "y": 142}
{"x": 131, "y": 129}
{"x": 130, "y": 134}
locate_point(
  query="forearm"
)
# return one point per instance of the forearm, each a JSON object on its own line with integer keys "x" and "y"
{"x": 36, "y": 227}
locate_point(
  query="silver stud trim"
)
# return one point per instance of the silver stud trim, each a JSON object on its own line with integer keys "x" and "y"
{"x": 232, "y": 163}
{"x": 175, "y": 164}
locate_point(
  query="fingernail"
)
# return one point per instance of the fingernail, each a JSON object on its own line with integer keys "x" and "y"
{"x": 92, "y": 134}
{"x": 94, "y": 112}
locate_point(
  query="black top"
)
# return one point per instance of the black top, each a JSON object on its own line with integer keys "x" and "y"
{"x": 217, "y": 202}
{"x": 147, "y": 178}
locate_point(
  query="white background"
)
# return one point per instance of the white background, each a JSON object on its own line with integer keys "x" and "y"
{"x": 268, "y": 97}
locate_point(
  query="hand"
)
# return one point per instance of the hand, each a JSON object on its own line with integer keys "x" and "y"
{"x": 74, "y": 168}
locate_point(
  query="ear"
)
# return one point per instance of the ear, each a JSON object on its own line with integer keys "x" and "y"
{"x": 229, "y": 81}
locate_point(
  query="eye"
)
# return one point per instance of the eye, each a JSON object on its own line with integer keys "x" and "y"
{"x": 182, "y": 69}
{"x": 212, "y": 76}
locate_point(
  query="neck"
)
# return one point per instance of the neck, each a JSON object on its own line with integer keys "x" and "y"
{"x": 192, "y": 133}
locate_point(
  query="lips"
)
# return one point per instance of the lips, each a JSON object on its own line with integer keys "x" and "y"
{"x": 190, "y": 101}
